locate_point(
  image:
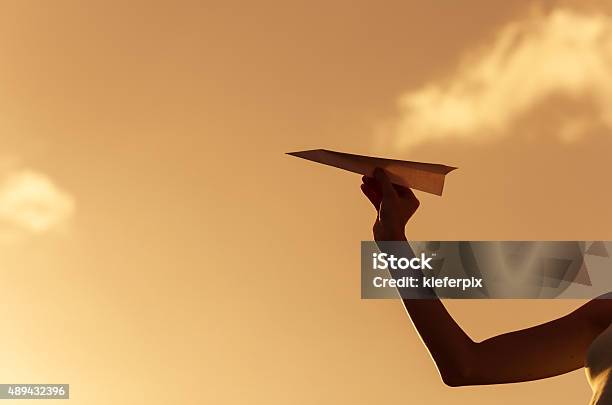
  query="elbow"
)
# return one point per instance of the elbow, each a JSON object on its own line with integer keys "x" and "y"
{"x": 455, "y": 379}
{"x": 460, "y": 371}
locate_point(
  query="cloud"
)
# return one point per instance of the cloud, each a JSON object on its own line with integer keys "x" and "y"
{"x": 562, "y": 54}
{"x": 31, "y": 202}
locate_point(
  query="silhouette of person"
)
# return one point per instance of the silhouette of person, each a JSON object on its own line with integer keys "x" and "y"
{"x": 582, "y": 338}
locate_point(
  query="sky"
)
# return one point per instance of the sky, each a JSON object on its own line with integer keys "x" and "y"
{"x": 159, "y": 247}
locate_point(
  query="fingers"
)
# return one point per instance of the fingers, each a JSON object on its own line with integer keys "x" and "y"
{"x": 380, "y": 187}
{"x": 372, "y": 195}
{"x": 371, "y": 181}
{"x": 385, "y": 183}
{"x": 373, "y": 185}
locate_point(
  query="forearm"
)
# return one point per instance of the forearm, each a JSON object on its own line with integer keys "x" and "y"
{"x": 449, "y": 346}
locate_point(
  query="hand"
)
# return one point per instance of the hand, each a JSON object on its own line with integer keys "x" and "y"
{"x": 394, "y": 205}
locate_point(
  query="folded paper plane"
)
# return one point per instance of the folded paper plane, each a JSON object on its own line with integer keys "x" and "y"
{"x": 428, "y": 177}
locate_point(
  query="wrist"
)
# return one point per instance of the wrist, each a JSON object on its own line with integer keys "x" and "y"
{"x": 395, "y": 235}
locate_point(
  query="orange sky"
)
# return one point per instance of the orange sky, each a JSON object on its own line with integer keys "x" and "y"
{"x": 159, "y": 247}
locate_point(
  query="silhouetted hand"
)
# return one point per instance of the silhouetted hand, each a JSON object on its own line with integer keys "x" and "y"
{"x": 394, "y": 205}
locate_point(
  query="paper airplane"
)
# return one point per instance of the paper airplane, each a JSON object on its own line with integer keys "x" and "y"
{"x": 428, "y": 177}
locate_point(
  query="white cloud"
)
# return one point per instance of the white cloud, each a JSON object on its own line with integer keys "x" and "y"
{"x": 564, "y": 53}
{"x": 30, "y": 201}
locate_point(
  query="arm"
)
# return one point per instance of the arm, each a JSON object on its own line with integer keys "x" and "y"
{"x": 542, "y": 351}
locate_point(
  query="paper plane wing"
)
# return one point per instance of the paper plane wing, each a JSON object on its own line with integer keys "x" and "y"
{"x": 428, "y": 177}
